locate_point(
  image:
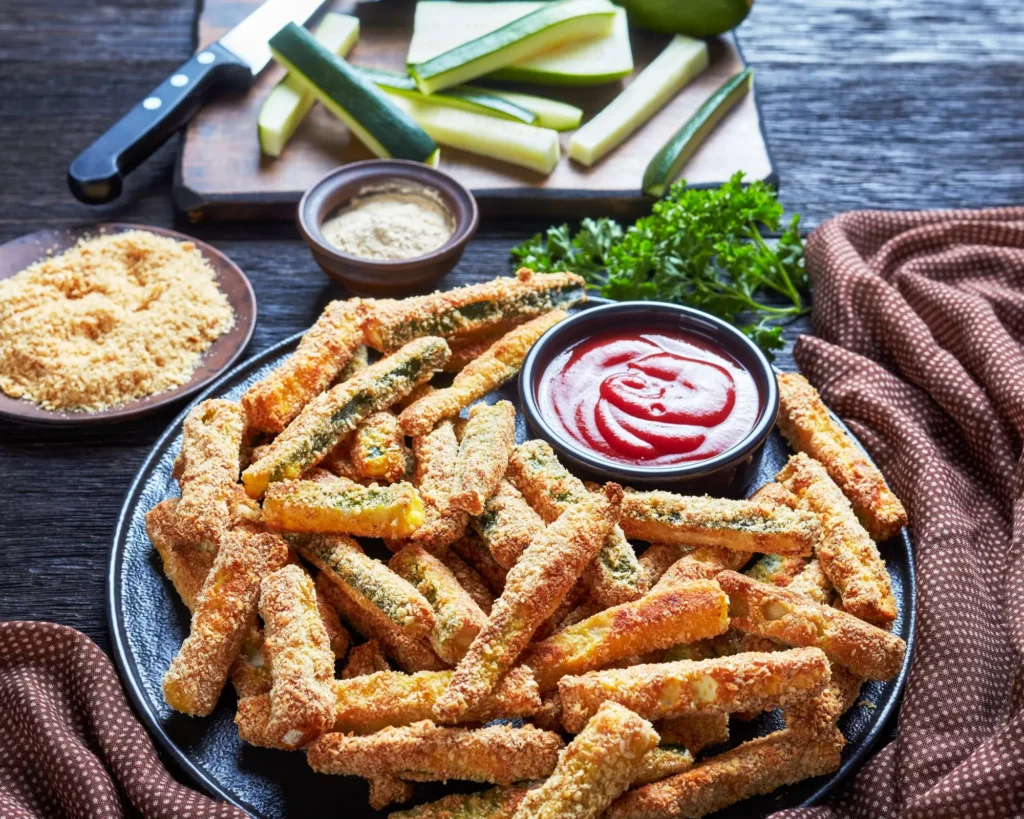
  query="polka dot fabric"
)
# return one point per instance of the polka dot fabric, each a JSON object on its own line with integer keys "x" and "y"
{"x": 69, "y": 744}
{"x": 919, "y": 346}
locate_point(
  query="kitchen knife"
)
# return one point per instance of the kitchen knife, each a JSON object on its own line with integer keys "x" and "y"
{"x": 95, "y": 176}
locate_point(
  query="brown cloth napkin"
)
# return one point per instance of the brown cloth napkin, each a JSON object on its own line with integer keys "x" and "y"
{"x": 919, "y": 321}
{"x": 69, "y": 743}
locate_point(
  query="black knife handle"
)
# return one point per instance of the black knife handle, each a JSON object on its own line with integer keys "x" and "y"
{"x": 95, "y": 175}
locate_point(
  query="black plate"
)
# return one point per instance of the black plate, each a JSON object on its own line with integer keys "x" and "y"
{"x": 148, "y": 624}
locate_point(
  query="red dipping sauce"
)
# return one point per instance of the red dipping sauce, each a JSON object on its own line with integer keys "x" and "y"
{"x": 641, "y": 398}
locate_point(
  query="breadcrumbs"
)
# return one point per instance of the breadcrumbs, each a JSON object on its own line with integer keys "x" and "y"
{"x": 113, "y": 319}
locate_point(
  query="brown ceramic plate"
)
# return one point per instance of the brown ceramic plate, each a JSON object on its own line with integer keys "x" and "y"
{"x": 18, "y": 254}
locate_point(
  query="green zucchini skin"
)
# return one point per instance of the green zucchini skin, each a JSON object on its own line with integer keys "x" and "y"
{"x": 667, "y": 163}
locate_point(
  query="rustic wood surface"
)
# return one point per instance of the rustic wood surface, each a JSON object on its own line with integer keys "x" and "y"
{"x": 895, "y": 104}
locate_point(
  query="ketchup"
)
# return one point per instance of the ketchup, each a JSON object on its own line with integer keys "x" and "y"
{"x": 649, "y": 398}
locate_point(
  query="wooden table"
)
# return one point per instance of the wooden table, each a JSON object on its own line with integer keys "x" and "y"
{"x": 895, "y": 104}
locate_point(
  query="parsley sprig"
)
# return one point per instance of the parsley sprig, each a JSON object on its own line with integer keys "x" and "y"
{"x": 699, "y": 247}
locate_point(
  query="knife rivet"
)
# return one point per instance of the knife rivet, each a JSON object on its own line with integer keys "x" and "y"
{"x": 179, "y": 80}
{"x": 151, "y": 103}
{"x": 206, "y": 58}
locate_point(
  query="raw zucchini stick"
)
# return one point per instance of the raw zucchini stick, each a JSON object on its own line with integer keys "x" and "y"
{"x": 661, "y": 763}
{"x": 224, "y": 615}
{"x": 337, "y": 635}
{"x": 696, "y": 731}
{"x": 470, "y": 580}
{"x": 746, "y": 526}
{"x": 367, "y": 658}
{"x": 499, "y": 364}
{"x": 508, "y": 524}
{"x": 809, "y": 427}
{"x": 466, "y": 312}
{"x": 494, "y": 803}
{"x": 682, "y": 60}
{"x": 436, "y": 454}
{"x": 796, "y": 620}
{"x": 483, "y": 455}
{"x": 337, "y": 412}
{"x": 616, "y": 576}
{"x": 379, "y": 450}
{"x": 754, "y": 768}
{"x": 534, "y": 587}
{"x": 550, "y": 113}
{"x": 457, "y": 618}
{"x": 660, "y": 619}
{"x": 426, "y": 752}
{"x": 752, "y": 681}
{"x": 595, "y": 768}
{"x": 847, "y": 554}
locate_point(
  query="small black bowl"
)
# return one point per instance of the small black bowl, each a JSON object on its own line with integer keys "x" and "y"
{"x": 726, "y": 474}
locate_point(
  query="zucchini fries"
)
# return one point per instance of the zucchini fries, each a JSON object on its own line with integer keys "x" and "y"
{"x": 483, "y": 455}
{"x": 508, "y": 524}
{"x": 378, "y": 450}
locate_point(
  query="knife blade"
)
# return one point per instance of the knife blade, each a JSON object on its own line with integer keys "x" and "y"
{"x": 97, "y": 174}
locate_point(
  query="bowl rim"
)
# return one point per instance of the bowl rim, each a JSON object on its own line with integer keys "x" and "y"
{"x": 704, "y": 324}
{"x": 378, "y": 170}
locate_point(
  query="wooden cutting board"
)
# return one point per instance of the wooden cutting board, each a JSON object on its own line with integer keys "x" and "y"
{"x": 222, "y": 175}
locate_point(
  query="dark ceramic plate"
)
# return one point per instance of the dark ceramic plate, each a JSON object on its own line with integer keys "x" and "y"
{"x": 148, "y": 623}
{"x": 18, "y": 254}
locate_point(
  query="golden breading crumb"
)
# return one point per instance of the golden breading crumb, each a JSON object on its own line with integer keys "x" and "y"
{"x": 778, "y": 570}
{"x": 494, "y": 803}
{"x": 388, "y": 790}
{"x": 336, "y": 632}
{"x": 185, "y": 565}
{"x": 365, "y": 659}
{"x": 507, "y": 524}
{"x": 470, "y": 580}
{"x": 483, "y": 455}
{"x": 816, "y": 716}
{"x": 378, "y": 450}
{"x": 696, "y": 731}
{"x": 436, "y": 454}
{"x": 812, "y": 582}
{"x": 661, "y": 763}
{"x": 478, "y": 556}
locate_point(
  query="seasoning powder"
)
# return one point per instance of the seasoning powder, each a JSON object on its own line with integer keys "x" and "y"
{"x": 115, "y": 318}
{"x": 391, "y": 224}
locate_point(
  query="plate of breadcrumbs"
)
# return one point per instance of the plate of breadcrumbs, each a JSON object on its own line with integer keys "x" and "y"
{"x": 108, "y": 322}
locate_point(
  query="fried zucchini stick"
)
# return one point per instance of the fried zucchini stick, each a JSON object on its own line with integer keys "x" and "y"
{"x": 470, "y": 580}
{"x": 534, "y": 587}
{"x": 337, "y": 635}
{"x": 812, "y": 582}
{"x": 426, "y": 752}
{"x": 378, "y": 448}
{"x": 846, "y": 551}
{"x": 596, "y": 767}
{"x": 508, "y": 524}
{"x": 273, "y": 402}
{"x": 366, "y": 658}
{"x": 793, "y": 619}
{"x": 809, "y": 427}
{"x": 494, "y": 803}
{"x": 616, "y": 576}
{"x": 185, "y": 565}
{"x": 333, "y": 414}
{"x": 660, "y": 619}
{"x": 472, "y": 550}
{"x": 466, "y": 351}
{"x": 661, "y": 763}
{"x": 659, "y": 559}
{"x": 388, "y": 790}
{"x": 817, "y": 715}
{"x": 436, "y": 454}
{"x": 470, "y": 312}
{"x": 483, "y": 455}
{"x": 359, "y": 361}
{"x": 696, "y": 731}
{"x": 777, "y": 570}
{"x": 499, "y": 364}
{"x": 223, "y": 616}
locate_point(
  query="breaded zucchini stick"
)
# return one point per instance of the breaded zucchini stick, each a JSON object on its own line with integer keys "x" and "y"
{"x": 777, "y": 570}
{"x": 809, "y": 427}
{"x": 436, "y": 454}
{"x": 341, "y": 506}
{"x": 499, "y": 364}
{"x": 812, "y": 582}
{"x": 483, "y": 455}
{"x": 378, "y": 448}
{"x": 185, "y": 565}
{"x": 508, "y": 524}
{"x": 660, "y": 619}
{"x": 660, "y": 558}
{"x": 333, "y": 414}
{"x": 337, "y": 635}
{"x": 793, "y": 619}
{"x": 457, "y": 618}
{"x": 359, "y": 361}
{"x": 366, "y": 658}
{"x": 473, "y": 311}
{"x": 494, "y": 803}
{"x": 754, "y": 768}
{"x": 223, "y": 616}
{"x": 745, "y": 682}
{"x": 272, "y": 403}
{"x": 470, "y": 580}
{"x": 466, "y": 351}
{"x": 616, "y": 576}
{"x": 846, "y": 551}
{"x": 472, "y": 550}
{"x": 388, "y": 790}
{"x": 661, "y": 763}
{"x": 426, "y": 752}
{"x": 533, "y": 589}
{"x": 696, "y": 731}
{"x": 597, "y": 766}
{"x": 817, "y": 715}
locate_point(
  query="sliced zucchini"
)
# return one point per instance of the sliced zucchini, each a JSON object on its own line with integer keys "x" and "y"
{"x": 289, "y": 102}
{"x": 382, "y": 127}
{"x": 682, "y": 60}
{"x": 670, "y": 159}
{"x": 548, "y": 27}
{"x": 548, "y": 113}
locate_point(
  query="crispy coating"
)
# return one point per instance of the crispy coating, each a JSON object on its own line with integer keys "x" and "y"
{"x": 660, "y": 619}
{"x": 271, "y": 403}
{"x": 661, "y": 763}
{"x": 478, "y": 556}
{"x": 793, "y": 619}
{"x": 470, "y": 580}
{"x": 378, "y": 449}
{"x": 185, "y": 565}
{"x": 696, "y": 731}
{"x": 616, "y": 576}
{"x": 812, "y": 582}
{"x": 777, "y": 570}
{"x": 816, "y": 716}
{"x": 250, "y": 673}
{"x": 466, "y": 351}
{"x": 575, "y": 608}
{"x": 494, "y": 803}
{"x": 425, "y": 752}
{"x": 469, "y": 312}
{"x": 846, "y": 551}
{"x": 755, "y": 767}
{"x": 436, "y": 454}
{"x": 366, "y": 658}
{"x": 534, "y": 587}
{"x": 508, "y": 524}
{"x": 223, "y": 616}
{"x": 457, "y": 618}
{"x": 744, "y": 682}
{"x": 775, "y": 493}
{"x": 549, "y": 715}
{"x": 340, "y": 506}
{"x": 483, "y": 455}
{"x": 597, "y": 766}
{"x": 660, "y": 558}
{"x": 359, "y": 361}
{"x": 333, "y": 414}
{"x": 499, "y": 364}
{"x": 388, "y": 790}
{"x": 337, "y": 635}
{"x": 809, "y": 427}
{"x": 338, "y": 461}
